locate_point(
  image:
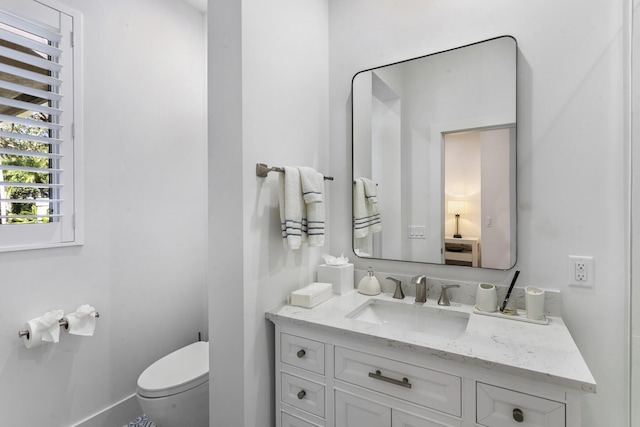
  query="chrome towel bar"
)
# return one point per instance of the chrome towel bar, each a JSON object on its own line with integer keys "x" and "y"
{"x": 262, "y": 170}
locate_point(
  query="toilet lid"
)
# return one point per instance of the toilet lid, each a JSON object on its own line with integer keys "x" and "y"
{"x": 177, "y": 372}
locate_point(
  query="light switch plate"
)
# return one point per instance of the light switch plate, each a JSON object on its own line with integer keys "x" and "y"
{"x": 417, "y": 232}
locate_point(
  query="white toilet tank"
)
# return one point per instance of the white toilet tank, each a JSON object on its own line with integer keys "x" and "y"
{"x": 174, "y": 391}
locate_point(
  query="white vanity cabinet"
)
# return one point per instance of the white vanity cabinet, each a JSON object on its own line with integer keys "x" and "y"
{"x": 300, "y": 382}
{"x": 355, "y": 411}
{"x": 425, "y": 387}
{"x": 500, "y": 407}
{"x": 329, "y": 379}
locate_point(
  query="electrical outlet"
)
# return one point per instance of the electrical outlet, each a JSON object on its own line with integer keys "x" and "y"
{"x": 581, "y": 272}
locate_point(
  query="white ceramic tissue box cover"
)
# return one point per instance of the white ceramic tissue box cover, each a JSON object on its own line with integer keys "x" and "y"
{"x": 340, "y": 276}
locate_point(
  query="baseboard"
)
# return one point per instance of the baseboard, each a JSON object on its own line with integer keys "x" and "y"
{"x": 116, "y": 415}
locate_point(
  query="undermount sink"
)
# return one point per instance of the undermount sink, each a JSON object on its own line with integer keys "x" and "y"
{"x": 411, "y": 317}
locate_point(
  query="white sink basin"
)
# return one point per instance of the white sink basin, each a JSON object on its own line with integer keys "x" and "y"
{"x": 411, "y": 317}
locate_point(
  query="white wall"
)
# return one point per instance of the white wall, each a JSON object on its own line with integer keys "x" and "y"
{"x": 143, "y": 263}
{"x": 268, "y": 98}
{"x": 497, "y": 166}
{"x": 635, "y": 222}
{"x": 572, "y": 145}
{"x": 386, "y": 151}
{"x": 269, "y": 104}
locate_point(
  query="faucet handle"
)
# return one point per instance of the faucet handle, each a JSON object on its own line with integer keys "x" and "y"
{"x": 398, "y": 294}
{"x": 444, "y": 299}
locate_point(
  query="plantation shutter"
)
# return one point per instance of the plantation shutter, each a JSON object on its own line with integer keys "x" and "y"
{"x": 40, "y": 125}
{"x": 30, "y": 119}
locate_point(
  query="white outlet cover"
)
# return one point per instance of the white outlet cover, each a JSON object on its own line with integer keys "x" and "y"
{"x": 589, "y": 267}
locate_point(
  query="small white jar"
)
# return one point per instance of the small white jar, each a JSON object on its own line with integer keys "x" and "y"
{"x": 487, "y": 298}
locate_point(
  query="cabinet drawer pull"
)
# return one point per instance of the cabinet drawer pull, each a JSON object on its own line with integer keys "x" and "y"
{"x": 301, "y": 394}
{"x": 518, "y": 415}
{"x": 378, "y": 376}
{"x": 301, "y": 353}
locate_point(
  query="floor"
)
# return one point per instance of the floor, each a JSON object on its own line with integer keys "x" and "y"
{"x": 141, "y": 421}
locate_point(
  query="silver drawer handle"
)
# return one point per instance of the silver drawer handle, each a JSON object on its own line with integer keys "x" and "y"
{"x": 301, "y": 353}
{"x": 518, "y": 416}
{"x": 301, "y": 394}
{"x": 378, "y": 376}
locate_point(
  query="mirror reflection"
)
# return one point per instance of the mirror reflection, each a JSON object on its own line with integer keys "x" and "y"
{"x": 434, "y": 158}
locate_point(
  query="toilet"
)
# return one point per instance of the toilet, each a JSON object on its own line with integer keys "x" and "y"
{"x": 174, "y": 391}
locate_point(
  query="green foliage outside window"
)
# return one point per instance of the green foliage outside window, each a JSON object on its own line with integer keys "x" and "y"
{"x": 25, "y": 193}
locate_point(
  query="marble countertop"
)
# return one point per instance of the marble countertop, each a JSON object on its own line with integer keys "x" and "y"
{"x": 545, "y": 353}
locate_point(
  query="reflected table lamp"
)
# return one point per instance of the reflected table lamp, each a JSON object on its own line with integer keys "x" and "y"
{"x": 457, "y": 207}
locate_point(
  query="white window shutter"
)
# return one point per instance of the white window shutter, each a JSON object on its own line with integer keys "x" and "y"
{"x": 37, "y": 145}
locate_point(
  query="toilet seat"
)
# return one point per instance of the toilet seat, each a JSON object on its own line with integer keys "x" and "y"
{"x": 177, "y": 372}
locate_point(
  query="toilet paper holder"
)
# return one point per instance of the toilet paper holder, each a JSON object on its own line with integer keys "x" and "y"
{"x": 63, "y": 323}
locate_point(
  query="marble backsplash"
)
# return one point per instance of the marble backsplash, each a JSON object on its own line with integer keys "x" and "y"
{"x": 465, "y": 294}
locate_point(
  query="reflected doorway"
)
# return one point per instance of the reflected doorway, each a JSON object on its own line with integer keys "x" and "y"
{"x": 479, "y": 225}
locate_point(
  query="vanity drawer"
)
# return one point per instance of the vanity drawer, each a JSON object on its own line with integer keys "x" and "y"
{"x": 302, "y": 394}
{"x": 291, "y": 421}
{"x": 426, "y": 387}
{"x": 302, "y": 353}
{"x": 500, "y": 407}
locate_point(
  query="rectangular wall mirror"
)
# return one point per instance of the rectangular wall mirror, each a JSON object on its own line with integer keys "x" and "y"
{"x": 434, "y": 158}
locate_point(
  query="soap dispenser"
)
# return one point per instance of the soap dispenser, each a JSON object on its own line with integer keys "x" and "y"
{"x": 369, "y": 285}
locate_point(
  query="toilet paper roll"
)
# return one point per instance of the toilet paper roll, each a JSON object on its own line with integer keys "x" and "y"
{"x": 50, "y": 325}
{"x": 82, "y": 321}
{"x": 34, "y": 339}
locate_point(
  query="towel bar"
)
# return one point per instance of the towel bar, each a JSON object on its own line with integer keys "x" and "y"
{"x": 262, "y": 170}
{"x": 62, "y": 322}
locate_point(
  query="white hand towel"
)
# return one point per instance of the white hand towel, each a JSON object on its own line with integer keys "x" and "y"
{"x": 294, "y": 223}
{"x": 360, "y": 227}
{"x": 366, "y": 218}
{"x": 82, "y": 321}
{"x": 370, "y": 191}
{"x": 50, "y": 325}
{"x": 315, "y": 224}
{"x": 375, "y": 225}
{"x": 312, "y": 183}
{"x": 283, "y": 215}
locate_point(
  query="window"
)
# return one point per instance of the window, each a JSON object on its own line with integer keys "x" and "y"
{"x": 39, "y": 130}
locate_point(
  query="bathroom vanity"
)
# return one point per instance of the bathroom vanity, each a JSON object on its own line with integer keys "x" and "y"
{"x": 338, "y": 365}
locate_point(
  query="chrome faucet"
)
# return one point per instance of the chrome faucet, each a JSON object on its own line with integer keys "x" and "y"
{"x": 421, "y": 288}
{"x": 444, "y": 299}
